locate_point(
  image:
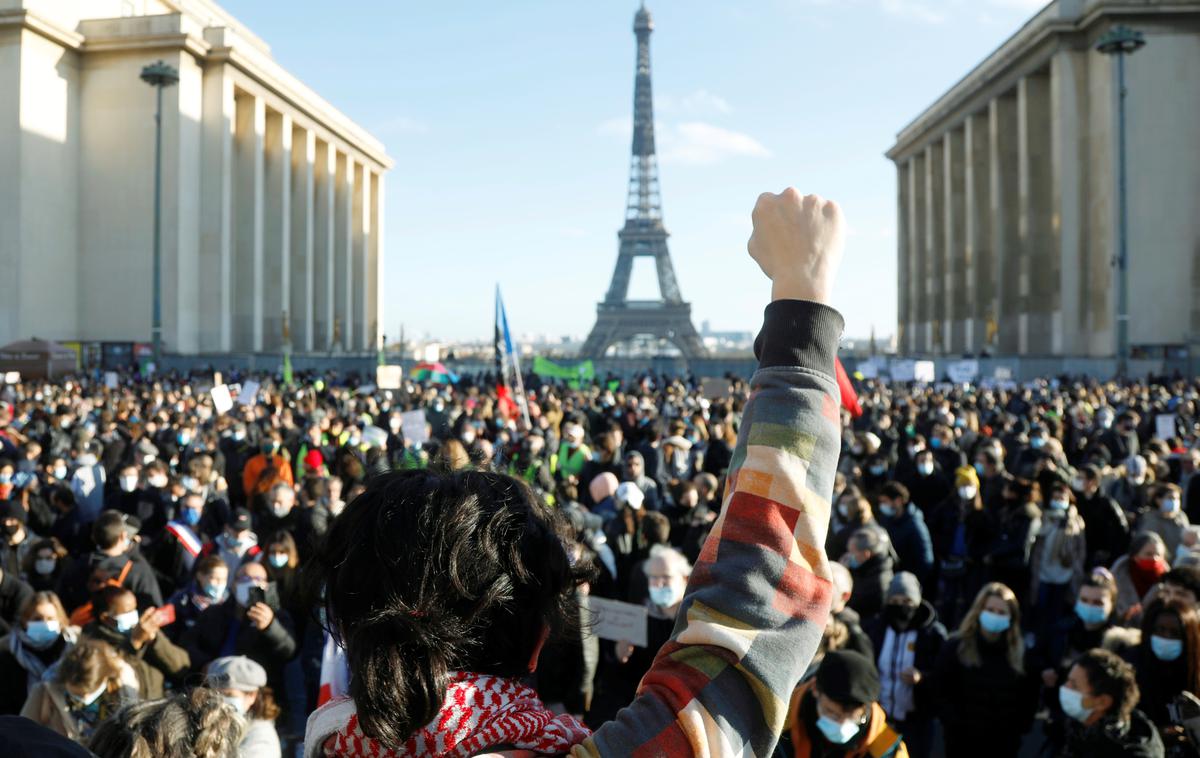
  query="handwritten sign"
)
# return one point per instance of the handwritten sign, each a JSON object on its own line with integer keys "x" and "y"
{"x": 963, "y": 372}
{"x": 413, "y": 426}
{"x": 222, "y": 400}
{"x": 614, "y": 620}
{"x": 1164, "y": 426}
{"x": 904, "y": 371}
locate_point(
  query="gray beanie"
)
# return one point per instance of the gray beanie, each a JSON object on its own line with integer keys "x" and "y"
{"x": 905, "y": 584}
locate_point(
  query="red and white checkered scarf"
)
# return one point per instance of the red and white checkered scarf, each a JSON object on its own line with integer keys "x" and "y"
{"x": 479, "y": 712}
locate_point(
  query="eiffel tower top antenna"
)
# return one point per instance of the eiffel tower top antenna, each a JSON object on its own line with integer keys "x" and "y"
{"x": 644, "y": 202}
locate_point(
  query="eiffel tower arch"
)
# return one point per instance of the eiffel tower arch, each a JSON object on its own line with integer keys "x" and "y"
{"x": 619, "y": 319}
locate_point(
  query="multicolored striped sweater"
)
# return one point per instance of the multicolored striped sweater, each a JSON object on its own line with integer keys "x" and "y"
{"x": 759, "y": 595}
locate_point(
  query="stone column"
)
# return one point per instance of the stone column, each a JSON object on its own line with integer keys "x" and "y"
{"x": 362, "y": 241}
{"x": 920, "y": 340}
{"x": 954, "y": 280}
{"x": 1040, "y": 264}
{"x": 1068, "y": 113}
{"x": 248, "y": 223}
{"x": 1002, "y": 128}
{"x": 374, "y": 274}
{"x": 216, "y": 211}
{"x": 982, "y": 273}
{"x": 903, "y": 254}
{"x": 324, "y": 247}
{"x": 277, "y": 230}
{"x": 935, "y": 245}
{"x": 343, "y": 249}
{"x": 301, "y": 286}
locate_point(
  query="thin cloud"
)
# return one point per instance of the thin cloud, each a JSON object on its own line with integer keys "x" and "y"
{"x": 702, "y": 102}
{"x": 700, "y": 143}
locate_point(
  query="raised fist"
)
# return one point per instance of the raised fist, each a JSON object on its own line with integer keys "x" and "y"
{"x": 797, "y": 242}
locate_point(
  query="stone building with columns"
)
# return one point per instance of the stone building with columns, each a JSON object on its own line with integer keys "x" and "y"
{"x": 271, "y": 198}
{"x": 1008, "y": 194}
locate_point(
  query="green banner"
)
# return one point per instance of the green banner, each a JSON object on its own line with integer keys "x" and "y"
{"x": 579, "y": 372}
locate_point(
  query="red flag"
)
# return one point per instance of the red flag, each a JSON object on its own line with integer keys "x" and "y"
{"x": 849, "y": 396}
{"x": 504, "y": 398}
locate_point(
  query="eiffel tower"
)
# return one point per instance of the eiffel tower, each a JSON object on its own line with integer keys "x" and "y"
{"x": 618, "y": 318}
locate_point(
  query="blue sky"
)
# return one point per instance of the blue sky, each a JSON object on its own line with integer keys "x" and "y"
{"x": 509, "y": 125}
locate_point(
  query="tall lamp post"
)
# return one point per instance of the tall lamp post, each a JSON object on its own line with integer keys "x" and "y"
{"x": 158, "y": 75}
{"x": 1121, "y": 41}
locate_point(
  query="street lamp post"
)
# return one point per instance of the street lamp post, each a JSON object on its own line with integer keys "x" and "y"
{"x": 158, "y": 75}
{"x": 1121, "y": 41}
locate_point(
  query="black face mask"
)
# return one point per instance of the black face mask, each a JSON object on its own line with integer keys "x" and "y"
{"x": 11, "y": 529}
{"x": 899, "y": 616}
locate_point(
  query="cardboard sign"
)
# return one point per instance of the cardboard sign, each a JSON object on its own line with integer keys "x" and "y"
{"x": 1164, "y": 426}
{"x": 614, "y": 620}
{"x": 904, "y": 371}
{"x": 924, "y": 371}
{"x": 963, "y": 372}
{"x": 249, "y": 393}
{"x": 111, "y": 380}
{"x": 389, "y": 377}
{"x": 412, "y": 425}
{"x": 222, "y": 400}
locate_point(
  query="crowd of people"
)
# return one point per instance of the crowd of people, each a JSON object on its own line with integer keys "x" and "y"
{"x": 995, "y": 566}
{"x": 991, "y": 548}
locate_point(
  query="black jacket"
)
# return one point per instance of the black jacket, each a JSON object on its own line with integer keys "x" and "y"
{"x": 223, "y": 630}
{"x": 943, "y": 526}
{"x": 859, "y": 641}
{"x": 931, "y": 635}
{"x": 992, "y": 701}
{"x": 1109, "y": 739}
{"x": 871, "y": 581}
{"x": 13, "y": 594}
{"x": 72, "y": 585}
{"x": 1105, "y": 528}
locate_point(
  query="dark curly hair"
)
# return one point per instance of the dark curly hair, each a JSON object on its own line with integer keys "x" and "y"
{"x": 1108, "y": 674}
{"x": 431, "y": 572}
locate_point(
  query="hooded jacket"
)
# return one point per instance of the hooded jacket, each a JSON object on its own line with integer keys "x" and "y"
{"x": 910, "y": 537}
{"x": 1109, "y": 738}
{"x": 140, "y": 580}
{"x": 930, "y": 636}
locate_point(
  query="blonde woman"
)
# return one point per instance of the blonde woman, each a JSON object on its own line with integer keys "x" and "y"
{"x": 38, "y": 639}
{"x": 88, "y": 685}
{"x": 988, "y": 697}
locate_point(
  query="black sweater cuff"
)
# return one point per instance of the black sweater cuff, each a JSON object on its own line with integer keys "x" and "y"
{"x": 799, "y": 333}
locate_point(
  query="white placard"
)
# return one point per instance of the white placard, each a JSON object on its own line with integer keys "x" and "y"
{"x": 924, "y": 371}
{"x": 614, "y": 620}
{"x": 1003, "y": 374}
{"x": 1164, "y": 426}
{"x": 904, "y": 371}
{"x": 222, "y": 400}
{"x": 389, "y": 377}
{"x": 963, "y": 372}
{"x": 869, "y": 370}
{"x": 413, "y": 426}
{"x": 249, "y": 393}
{"x": 12, "y": 377}
{"x": 111, "y": 379}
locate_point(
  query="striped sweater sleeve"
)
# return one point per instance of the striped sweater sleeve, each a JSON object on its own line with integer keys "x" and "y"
{"x": 759, "y": 595}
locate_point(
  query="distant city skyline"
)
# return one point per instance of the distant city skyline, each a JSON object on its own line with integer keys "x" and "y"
{"x": 510, "y": 127}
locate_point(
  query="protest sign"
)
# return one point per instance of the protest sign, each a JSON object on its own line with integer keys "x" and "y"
{"x": 389, "y": 377}
{"x": 963, "y": 372}
{"x": 904, "y": 370}
{"x": 249, "y": 393}
{"x": 1003, "y": 374}
{"x": 869, "y": 370}
{"x": 1164, "y": 426}
{"x": 614, "y": 620}
{"x": 111, "y": 379}
{"x": 12, "y": 377}
{"x": 413, "y": 427}
{"x": 924, "y": 371}
{"x": 222, "y": 400}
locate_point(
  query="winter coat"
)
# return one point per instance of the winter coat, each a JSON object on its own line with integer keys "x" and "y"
{"x": 47, "y": 705}
{"x": 1016, "y": 531}
{"x": 223, "y": 630}
{"x": 871, "y": 581}
{"x": 943, "y": 529}
{"x": 1170, "y": 528}
{"x": 13, "y": 594}
{"x": 260, "y": 740}
{"x": 910, "y": 537}
{"x": 15, "y": 680}
{"x": 1105, "y": 527}
{"x": 140, "y": 580}
{"x": 1067, "y": 532}
{"x": 930, "y": 635}
{"x": 155, "y": 663}
{"x": 1136, "y": 738}
{"x": 975, "y": 700}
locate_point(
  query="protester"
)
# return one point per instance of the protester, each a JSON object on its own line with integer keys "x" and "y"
{"x": 962, "y": 534}
{"x": 156, "y": 661}
{"x": 1099, "y": 696}
{"x": 1058, "y": 556}
{"x": 40, "y": 637}
{"x": 195, "y": 724}
{"x": 243, "y": 685}
{"x": 870, "y": 563}
{"x": 1137, "y": 572}
{"x": 837, "y": 713}
{"x": 89, "y": 684}
{"x": 982, "y": 679}
{"x": 209, "y": 585}
{"x": 1167, "y": 659}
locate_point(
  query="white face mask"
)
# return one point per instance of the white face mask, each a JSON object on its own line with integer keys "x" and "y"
{"x": 281, "y": 510}
{"x": 128, "y": 483}
{"x": 91, "y": 697}
{"x": 158, "y": 481}
{"x": 60, "y": 472}
{"x": 665, "y": 596}
{"x": 236, "y": 702}
{"x": 967, "y": 492}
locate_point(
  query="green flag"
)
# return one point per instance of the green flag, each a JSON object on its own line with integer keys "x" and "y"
{"x": 579, "y": 372}
{"x": 287, "y": 367}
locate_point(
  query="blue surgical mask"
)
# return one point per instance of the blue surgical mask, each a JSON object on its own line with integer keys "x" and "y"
{"x": 126, "y": 621}
{"x": 665, "y": 596}
{"x": 1072, "y": 703}
{"x": 853, "y": 561}
{"x": 994, "y": 623}
{"x": 888, "y": 510}
{"x": 191, "y": 516}
{"x": 979, "y": 468}
{"x": 214, "y": 591}
{"x": 279, "y": 560}
{"x": 935, "y": 443}
{"x": 1037, "y": 443}
{"x": 1090, "y": 614}
{"x": 42, "y": 633}
{"x": 1165, "y": 649}
{"x": 1170, "y": 505}
{"x": 878, "y": 470}
{"x": 1059, "y": 505}
{"x": 925, "y": 469}
{"x": 837, "y": 732}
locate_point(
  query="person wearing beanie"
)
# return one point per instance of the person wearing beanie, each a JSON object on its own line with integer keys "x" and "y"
{"x": 962, "y": 533}
{"x": 907, "y": 638}
{"x": 16, "y": 539}
{"x": 837, "y": 713}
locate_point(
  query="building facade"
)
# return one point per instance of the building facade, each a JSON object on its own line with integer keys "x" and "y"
{"x": 271, "y": 199}
{"x": 1008, "y": 193}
